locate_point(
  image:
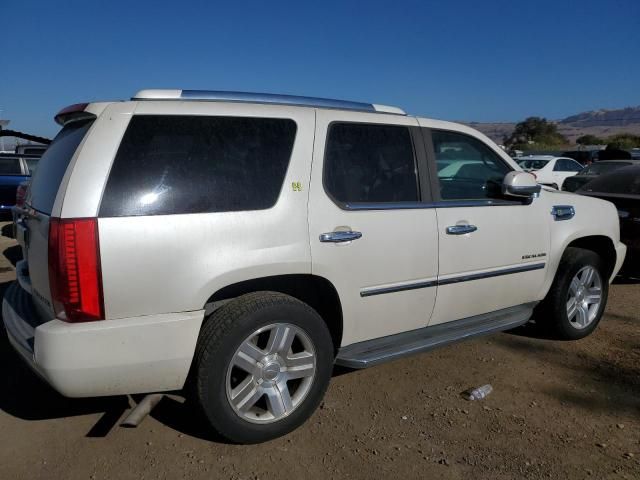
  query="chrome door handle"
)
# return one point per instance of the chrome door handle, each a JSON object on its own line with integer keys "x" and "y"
{"x": 461, "y": 229}
{"x": 340, "y": 236}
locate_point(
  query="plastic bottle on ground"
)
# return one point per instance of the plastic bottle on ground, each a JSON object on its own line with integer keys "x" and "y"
{"x": 478, "y": 393}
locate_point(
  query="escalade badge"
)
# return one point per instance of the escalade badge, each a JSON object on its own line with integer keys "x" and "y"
{"x": 533, "y": 255}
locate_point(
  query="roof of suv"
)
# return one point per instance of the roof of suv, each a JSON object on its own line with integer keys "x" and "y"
{"x": 268, "y": 98}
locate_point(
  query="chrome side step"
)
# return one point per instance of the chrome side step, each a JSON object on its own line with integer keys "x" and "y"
{"x": 379, "y": 350}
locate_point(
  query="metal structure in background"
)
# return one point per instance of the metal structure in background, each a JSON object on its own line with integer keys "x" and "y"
{"x": 3, "y": 124}
{"x": 24, "y": 136}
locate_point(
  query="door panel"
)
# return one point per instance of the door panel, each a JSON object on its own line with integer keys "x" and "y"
{"x": 386, "y": 277}
{"x": 504, "y": 236}
{"x": 492, "y": 250}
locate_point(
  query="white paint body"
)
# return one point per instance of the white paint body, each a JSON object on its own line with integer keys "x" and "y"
{"x": 158, "y": 272}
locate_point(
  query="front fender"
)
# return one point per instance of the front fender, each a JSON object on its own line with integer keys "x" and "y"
{"x": 593, "y": 218}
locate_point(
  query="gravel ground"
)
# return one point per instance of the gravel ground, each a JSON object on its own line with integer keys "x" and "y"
{"x": 558, "y": 410}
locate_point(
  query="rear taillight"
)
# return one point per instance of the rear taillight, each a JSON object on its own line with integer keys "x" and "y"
{"x": 21, "y": 194}
{"x": 75, "y": 278}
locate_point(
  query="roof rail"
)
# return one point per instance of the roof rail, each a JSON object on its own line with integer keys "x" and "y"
{"x": 269, "y": 98}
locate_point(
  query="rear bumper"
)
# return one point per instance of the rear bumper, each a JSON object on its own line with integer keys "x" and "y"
{"x": 111, "y": 357}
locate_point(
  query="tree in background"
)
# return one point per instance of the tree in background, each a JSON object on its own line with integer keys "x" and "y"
{"x": 535, "y": 132}
{"x": 623, "y": 141}
{"x": 590, "y": 140}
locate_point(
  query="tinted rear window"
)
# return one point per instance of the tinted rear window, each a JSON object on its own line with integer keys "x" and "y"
{"x": 10, "y": 166}
{"x": 196, "y": 164}
{"x": 625, "y": 180}
{"x": 53, "y": 165}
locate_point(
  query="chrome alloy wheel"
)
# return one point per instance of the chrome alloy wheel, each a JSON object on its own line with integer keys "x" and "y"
{"x": 584, "y": 297}
{"x": 271, "y": 373}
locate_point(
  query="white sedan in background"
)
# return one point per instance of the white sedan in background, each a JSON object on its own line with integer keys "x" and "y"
{"x": 550, "y": 170}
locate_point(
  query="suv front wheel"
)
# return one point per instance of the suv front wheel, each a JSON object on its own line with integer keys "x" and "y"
{"x": 262, "y": 365}
{"x": 577, "y": 298}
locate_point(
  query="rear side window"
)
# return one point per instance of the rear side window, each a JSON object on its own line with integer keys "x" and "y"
{"x": 10, "y": 166}
{"x": 564, "y": 165}
{"x": 195, "y": 164}
{"x": 369, "y": 163}
{"x": 53, "y": 165}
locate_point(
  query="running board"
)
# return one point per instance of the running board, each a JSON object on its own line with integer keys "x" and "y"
{"x": 379, "y": 350}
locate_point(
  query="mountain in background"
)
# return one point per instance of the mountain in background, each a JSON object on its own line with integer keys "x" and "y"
{"x": 601, "y": 123}
{"x": 620, "y": 118}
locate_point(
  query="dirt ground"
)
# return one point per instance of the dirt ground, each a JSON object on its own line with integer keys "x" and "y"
{"x": 558, "y": 410}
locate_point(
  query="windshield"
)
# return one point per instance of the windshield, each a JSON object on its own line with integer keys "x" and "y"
{"x": 532, "y": 164}
{"x": 603, "y": 167}
{"x": 53, "y": 165}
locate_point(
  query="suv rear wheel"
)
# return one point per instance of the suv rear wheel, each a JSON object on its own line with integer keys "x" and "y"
{"x": 263, "y": 363}
{"x": 577, "y": 298}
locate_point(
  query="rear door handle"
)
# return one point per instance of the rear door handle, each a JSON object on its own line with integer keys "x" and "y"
{"x": 461, "y": 229}
{"x": 340, "y": 236}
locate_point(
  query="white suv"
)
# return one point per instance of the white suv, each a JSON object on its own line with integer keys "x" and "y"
{"x": 238, "y": 245}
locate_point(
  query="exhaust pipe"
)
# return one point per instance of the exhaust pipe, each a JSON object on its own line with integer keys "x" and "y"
{"x": 141, "y": 410}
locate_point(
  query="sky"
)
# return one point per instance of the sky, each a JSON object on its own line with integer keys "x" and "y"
{"x": 456, "y": 60}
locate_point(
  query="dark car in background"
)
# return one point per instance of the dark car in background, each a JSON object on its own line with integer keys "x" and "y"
{"x": 585, "y": 157}
{"x": 622, "y": 188}
{"x": 14, "y": 169}
{"x": 593, "y": 171}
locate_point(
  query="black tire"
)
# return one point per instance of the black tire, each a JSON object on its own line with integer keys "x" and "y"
{"x": 551, "y": 314}
{"x": 222, "y": 334}
{"x": 555, "y": 185}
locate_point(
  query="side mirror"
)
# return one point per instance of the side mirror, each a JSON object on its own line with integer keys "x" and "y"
{"x": 521, "y": 185}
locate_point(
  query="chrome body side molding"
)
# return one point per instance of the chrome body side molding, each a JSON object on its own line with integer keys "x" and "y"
{"x": 495, "y": 273}
{"x": 367, "y": 292}
{"x": 397, "y": 288}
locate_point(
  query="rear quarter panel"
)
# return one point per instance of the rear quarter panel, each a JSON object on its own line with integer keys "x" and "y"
{"x": 174, "y": 263}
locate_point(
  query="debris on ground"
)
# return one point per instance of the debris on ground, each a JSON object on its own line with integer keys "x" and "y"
{"x": 477, "y": 393}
